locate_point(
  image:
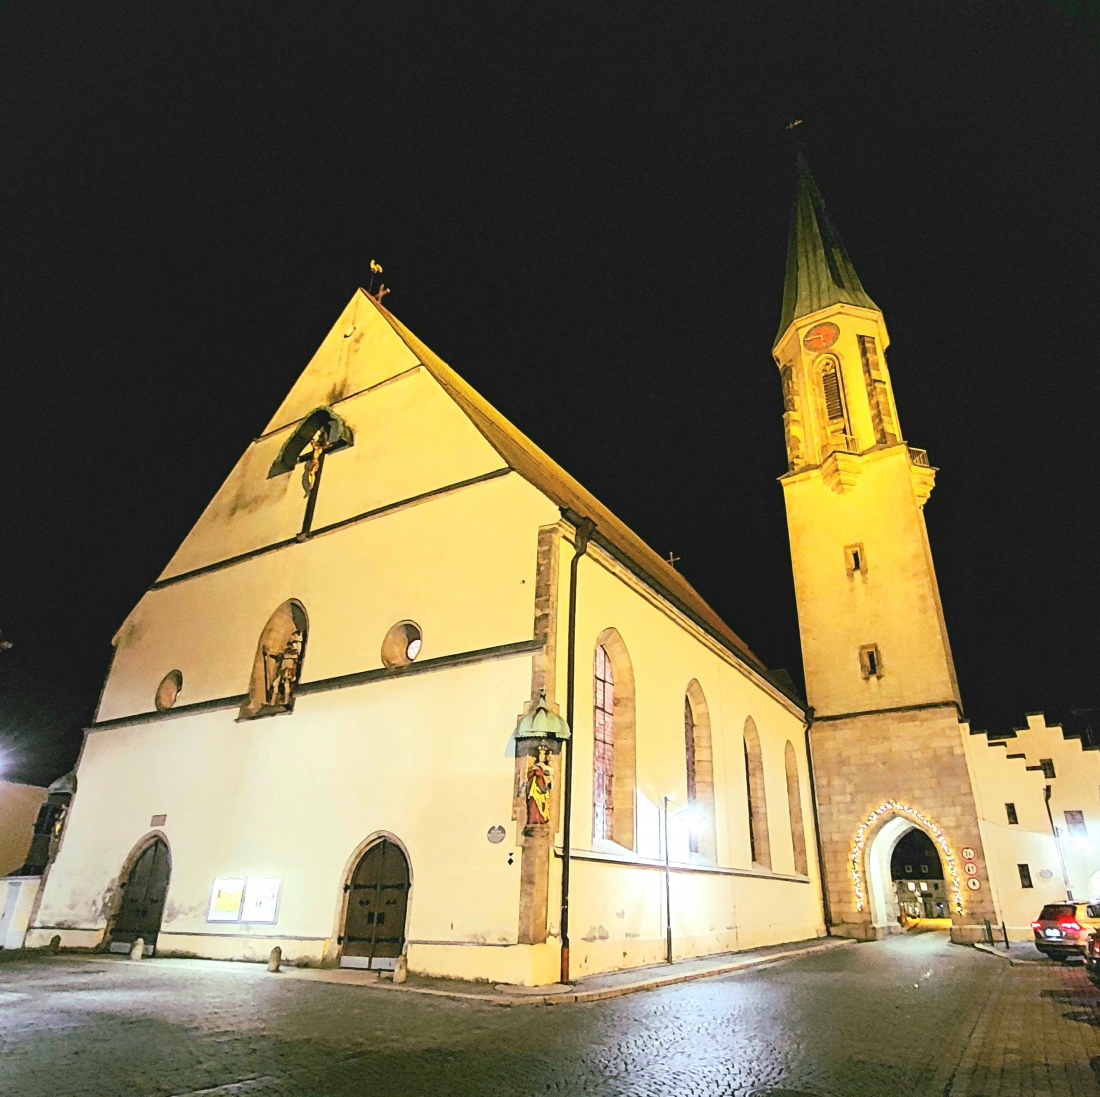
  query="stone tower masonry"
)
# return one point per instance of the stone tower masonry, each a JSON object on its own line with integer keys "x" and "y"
{"x": 887, "y": 732}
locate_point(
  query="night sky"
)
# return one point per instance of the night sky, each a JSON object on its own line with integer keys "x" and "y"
{"x": 584, "y": 210}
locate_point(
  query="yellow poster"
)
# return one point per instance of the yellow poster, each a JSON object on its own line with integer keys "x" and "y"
{"x": 225, "y": 901}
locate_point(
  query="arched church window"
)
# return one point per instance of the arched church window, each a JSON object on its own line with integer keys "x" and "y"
{"x": 277, "y": 666}
{"x": 603, "y": 749}
{"x": 613, "y": 748}
{"x": 759, "y": 843}
{"x": 794, "y": 808}
{"x": 700, "y": 770}
{"x": 320, "y": 432}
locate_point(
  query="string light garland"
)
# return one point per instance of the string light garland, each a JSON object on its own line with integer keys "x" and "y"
{"x": 937, "y": 834}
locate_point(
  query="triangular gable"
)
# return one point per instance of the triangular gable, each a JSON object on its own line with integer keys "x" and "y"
{"x": 358, "y": 352}
{"x": 542, "y": 472}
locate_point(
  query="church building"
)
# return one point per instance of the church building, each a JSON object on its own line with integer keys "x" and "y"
{"x": 397, "y": 652}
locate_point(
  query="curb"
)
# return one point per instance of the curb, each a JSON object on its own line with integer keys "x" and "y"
{"x": 991, "y": 950}
{"x": 597, "y": 994}
{"x": 519, "y": 998}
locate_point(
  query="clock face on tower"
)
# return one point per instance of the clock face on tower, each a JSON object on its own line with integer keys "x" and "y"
{"x": 821, "y": 336}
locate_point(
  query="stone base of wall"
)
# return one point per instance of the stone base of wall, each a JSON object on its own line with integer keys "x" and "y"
{"x": 912, "y": 758}
{"x": 967, "y": 934}
{"x": 864, "y": 931}
{"x": 85, "y": 939}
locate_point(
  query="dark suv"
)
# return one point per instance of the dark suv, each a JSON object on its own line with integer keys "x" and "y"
{"x": 1062, "y": 929}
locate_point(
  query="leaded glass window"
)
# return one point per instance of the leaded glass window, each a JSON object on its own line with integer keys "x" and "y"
{"x": 689, "y": 749}
{"x": 603, "y": 747}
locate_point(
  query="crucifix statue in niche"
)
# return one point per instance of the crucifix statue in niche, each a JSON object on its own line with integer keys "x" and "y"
{"x": 317, "y": 446}
{"x": 315, "y": 436}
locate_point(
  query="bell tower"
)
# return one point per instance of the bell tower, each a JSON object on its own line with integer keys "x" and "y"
{"x": 887, "y": 719}
{"x": 873, "y": 634}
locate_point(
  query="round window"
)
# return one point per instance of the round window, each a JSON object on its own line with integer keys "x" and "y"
{"x": 171, "y": 686}
{"x": 402, "y": 644}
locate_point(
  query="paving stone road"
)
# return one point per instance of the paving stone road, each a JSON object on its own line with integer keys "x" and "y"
{"x": 889, "y": 1019}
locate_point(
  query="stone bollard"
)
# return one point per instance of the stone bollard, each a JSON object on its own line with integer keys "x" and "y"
{"x": 400, "y": 970}
{"x": 275, "y": 960}
{"x": 55, "y": 944}
{"x": 137, "y": 949}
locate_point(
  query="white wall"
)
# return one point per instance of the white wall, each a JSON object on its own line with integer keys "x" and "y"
{"x": 616, "y": 910}
{"x": 1000, "y": 778}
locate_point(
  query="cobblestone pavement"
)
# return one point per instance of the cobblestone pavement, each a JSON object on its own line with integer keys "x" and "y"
{"x": 889, "y": 1019}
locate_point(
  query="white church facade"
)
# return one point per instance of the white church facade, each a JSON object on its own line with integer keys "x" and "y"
{"x": 408, "y": 690}
{"x": 308, "y": 733}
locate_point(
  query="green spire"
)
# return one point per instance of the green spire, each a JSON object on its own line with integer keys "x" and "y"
{"x": 819, "y": 272}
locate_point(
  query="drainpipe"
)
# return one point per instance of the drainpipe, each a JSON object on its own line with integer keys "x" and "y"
{"x": 583, "y": 531}
{"x": 1057, "y": 843}
{"x": 817, "y": 830}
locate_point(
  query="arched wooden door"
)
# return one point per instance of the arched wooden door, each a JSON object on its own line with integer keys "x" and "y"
{"x": 378, "y": 899}
{"x": 143, "y": 899}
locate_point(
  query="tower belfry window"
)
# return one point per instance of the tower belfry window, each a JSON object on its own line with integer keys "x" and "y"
{"x": 834, "y": 394}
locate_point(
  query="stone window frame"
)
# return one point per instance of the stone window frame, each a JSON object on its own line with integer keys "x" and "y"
{"x": 168, "y": 691}
{"x": 700, "y": 768}
{"x": 398, "y": 640}
{"x": 624, "y": 765}
{"x": 837, "y": 431}
{"x": 756, "y": 796}
{"x": 855, "y": 559}
{"x": 794, "y": 810}
{"x": 870, "y": 661}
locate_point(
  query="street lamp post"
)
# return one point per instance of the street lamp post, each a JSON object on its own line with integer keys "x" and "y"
{"x": 668, "y": 893}
{"x": 693, "y": 818}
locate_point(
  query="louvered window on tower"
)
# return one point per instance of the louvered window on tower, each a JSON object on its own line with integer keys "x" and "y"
{"x": 834, "y": 400}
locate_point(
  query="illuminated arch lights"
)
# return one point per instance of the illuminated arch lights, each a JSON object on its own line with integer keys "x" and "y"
{"x": 926, "y": 823}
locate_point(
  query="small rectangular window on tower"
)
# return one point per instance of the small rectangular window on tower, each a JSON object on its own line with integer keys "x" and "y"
{"x": 855, "y": 560}
{"x": 870, "y": 661}
{"x": 1047, "y": 766}
{"x": 1075, "y": 824}
{"x": 1025, "y": 876}
{"x": 1010, "y": 811}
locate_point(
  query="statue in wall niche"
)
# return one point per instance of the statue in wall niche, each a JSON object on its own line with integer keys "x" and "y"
{"x": 540, "y": 780}
{"x": 281, "y": 671}
{"x": 317, "y": 446}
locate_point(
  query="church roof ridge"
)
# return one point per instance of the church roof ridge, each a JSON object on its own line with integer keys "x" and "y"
{"x": 539, "y": 469}
{"x": 819, "y": 271}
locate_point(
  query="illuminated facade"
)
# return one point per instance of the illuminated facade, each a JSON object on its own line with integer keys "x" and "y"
{"x": 321, "y": 728}
{"x": 334, "y": 723}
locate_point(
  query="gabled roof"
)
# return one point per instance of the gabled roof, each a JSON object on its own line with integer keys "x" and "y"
{"x": 521, "y": 454}
{"x": 819, "y": 272}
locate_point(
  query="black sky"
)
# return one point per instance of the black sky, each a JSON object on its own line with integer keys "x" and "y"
{"x": 584, "y": 210}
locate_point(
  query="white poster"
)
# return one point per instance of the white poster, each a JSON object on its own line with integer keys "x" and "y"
{"x": 225, "y": 901}
{"x": 261, "y": 900}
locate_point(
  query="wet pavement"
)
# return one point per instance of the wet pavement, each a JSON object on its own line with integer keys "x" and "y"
{"x": 910, "y": 1016}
